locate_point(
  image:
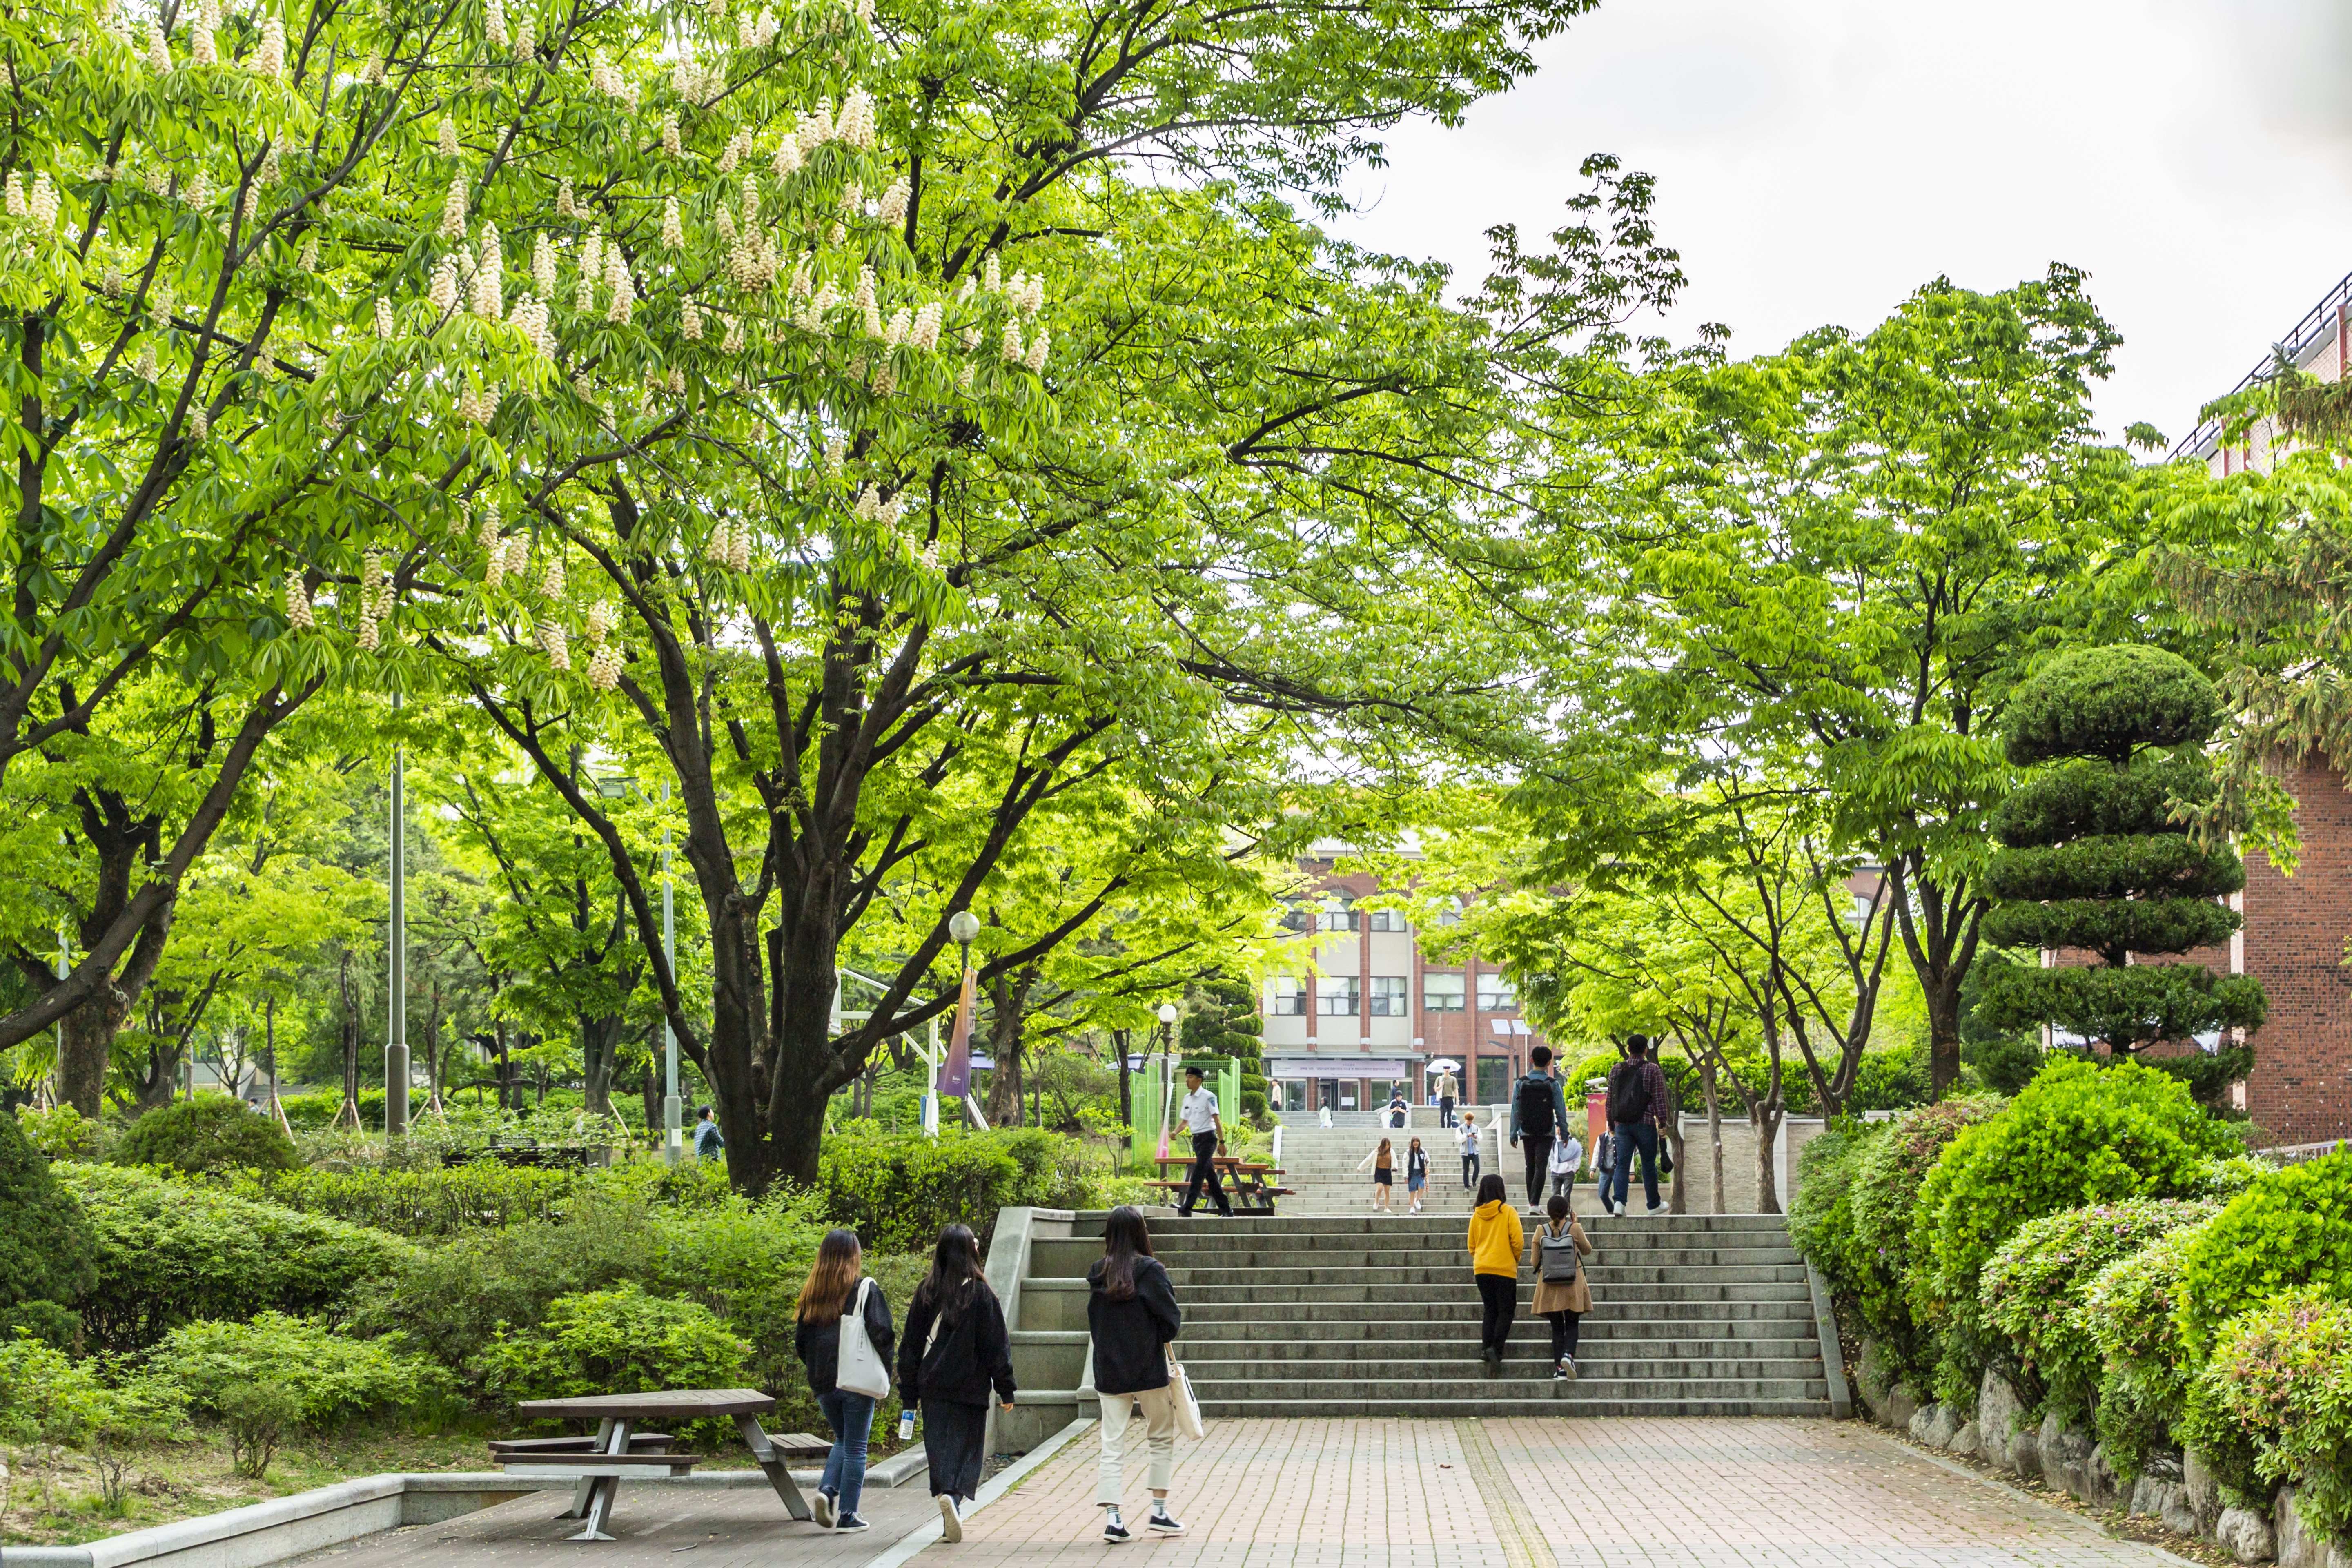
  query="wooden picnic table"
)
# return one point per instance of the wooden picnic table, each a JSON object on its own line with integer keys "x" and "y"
{"x": 1249, "y": 1187}
{"x": 600, "y": 1464}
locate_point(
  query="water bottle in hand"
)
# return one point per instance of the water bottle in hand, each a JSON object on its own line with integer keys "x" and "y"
{"x": 906, "y": 1425}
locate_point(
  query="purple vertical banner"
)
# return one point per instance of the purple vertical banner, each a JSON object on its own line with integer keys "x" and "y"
{"x": 955, "y": 1077}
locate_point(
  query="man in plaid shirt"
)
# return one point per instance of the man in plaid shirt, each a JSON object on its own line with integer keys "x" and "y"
{"x": 1639, "y": 1104}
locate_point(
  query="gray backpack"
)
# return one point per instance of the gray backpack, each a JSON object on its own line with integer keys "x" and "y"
{"x": 1556, "y": 1259}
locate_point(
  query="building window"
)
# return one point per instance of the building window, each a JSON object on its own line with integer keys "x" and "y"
{"x": 1389, "y": 996}
{"x": 1389, "y": 920}
{"x": 1441, "y": 993}
{"x": 1335, "y": 996}
{"x": 1338, "y": 913}
{"x": 1286, "y": 996}
{"x": 1294, "y": 1094}
{"x": 1297, "y": 915}
{"x": 1496, "y": 994}
{"x": 1451, "y": 914}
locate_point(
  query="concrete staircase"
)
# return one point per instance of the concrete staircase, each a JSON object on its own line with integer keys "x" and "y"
{"x": 1370, "y": 1315}
{"x": 1318, "y": 1165}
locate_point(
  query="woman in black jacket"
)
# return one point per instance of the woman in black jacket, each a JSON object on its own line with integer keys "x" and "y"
{"x": 1132, "y": 1314}
{"x": 833, "y": 1283}
{"x": 955, "y": 1348}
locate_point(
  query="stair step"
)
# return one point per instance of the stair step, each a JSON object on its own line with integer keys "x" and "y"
{"x": 1487, "y": 1402}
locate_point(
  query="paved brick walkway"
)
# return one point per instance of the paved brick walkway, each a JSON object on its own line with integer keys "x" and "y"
{"x": 1542, "y": 1493}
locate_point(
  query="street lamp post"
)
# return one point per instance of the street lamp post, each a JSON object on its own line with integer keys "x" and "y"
{"x": 396, "y": 1045}
{"x": 963, "y": 926}
{"x": 1168, "y": 1021}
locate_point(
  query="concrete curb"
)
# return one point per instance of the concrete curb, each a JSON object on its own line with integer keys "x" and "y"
{"x": 280, "y": 1527}
{"x": 905, "y": 1548}
{"x": 1833, "y": 1353}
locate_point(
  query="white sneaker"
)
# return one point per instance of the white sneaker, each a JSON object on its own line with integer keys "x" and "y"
{"x": 950, "y": 1522}
{"x": 823, "y": 1509}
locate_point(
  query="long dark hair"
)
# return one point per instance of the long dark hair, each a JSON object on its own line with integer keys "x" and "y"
{"x": 955, "y": 1259}
{"x": 832, "y": 1278}
{"x": 1124, "y": 1239}
{"x": 1490, "y": 1189}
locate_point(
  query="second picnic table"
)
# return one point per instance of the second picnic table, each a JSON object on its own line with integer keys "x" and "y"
{"x": 618, "y": 1450}
{"x": 1249, "y": 1187}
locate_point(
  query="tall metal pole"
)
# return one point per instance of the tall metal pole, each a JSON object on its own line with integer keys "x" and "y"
{"x": 673, "y": 1108}
{"x": 396, "y": 1045}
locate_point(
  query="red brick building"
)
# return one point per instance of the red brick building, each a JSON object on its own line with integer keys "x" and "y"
{"x": 1368, "y": 1008}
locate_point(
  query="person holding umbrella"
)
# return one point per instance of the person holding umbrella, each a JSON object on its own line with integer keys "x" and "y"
{"x": 1447, "y": 1090}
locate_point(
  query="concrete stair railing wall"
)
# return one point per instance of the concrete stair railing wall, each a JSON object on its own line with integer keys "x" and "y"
{"x": 1377, "y": 1315}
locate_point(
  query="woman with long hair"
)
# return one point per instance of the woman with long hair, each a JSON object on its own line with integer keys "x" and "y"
{"x": 955, "y": 1348}
{"x": 1496, "y": 1238}
{"x": 1132, "y": 1316}
{"x": 836, "y": 1281}
{"x": 1416, "y": 1173}
{"x": 1383, "y": 1164}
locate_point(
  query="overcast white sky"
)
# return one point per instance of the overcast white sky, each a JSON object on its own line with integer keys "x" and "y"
{"x": 1817, "y": 160}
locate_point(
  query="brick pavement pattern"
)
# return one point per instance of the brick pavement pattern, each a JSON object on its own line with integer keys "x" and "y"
{"x": 1685, "y": 1493}
{"x": 734, "y": 1528}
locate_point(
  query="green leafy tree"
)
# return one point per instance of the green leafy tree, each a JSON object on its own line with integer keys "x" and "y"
{"x": 1830, "y": 565}
{"x": 2092, "y": 861}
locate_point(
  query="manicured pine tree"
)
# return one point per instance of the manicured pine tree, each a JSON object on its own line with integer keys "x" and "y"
{"x": 1222, "y": 1021}
{"x": 2092, "y": 861}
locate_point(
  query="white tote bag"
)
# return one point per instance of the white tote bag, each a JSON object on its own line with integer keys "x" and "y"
{"x": 1188, "y": 1409}
{"x": 858, "y": 1369}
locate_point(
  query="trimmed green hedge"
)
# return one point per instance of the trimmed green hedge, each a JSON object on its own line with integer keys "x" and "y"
{"x": 48, "y": 1253}
{"x": 2144, "y": 1367}
{"x": 2273, "y": 1405}
{"x": 212, "y": 1132}
{"x": 171, "y": 1252}
{"x": 897, "y": 1191}
{"x": 2291, "y": 1230}
{"x": 2078, "y": 1135}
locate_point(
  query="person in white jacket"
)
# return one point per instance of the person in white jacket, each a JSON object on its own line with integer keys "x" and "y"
{"x": 1468, "y": 1138}
{"x": 1567, "y": 1156}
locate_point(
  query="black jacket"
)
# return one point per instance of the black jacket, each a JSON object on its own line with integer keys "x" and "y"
{"x": 971, "y": 1352}
{"x": 1128, "y": 1334}
{"x": 1416, "y": 1163}
{"x": 818, "y": 1340}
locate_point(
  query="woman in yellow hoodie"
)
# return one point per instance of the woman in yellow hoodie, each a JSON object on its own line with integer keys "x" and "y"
{"x": 1496, "y": 1238}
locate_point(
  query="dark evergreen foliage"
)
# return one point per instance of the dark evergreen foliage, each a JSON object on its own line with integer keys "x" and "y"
{"x": 2092, "y": 861}
{"x": 1222, "y": 1021}
{"x": 2110, "y": 703}
{"x": 47, "y": 1255}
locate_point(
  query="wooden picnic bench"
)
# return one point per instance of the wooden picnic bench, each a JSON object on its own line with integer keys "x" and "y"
{"x": 1248, "y": 1186}
{"x": 619, "y": 1452}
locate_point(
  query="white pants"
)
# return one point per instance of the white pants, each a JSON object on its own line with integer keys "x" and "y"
{"x": 1158, "y": 1430}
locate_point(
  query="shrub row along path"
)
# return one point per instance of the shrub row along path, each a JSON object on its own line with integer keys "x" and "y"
{"x": 1530, "y": 1492}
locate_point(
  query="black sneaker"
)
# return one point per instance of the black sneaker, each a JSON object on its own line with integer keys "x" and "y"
{"x": 1165, "y": 1522}
{"x": 1567, "y": 1368}
{"x": 1115, "y": 1532}
{"x": 1560, "y": 1372}
{"x": 851, "y": 1522}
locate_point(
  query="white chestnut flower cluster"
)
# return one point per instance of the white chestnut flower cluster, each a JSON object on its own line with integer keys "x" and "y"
{"x": 487, "y": 299}
{"x": 375, "y": 599}
{"x": 269, "y": 58}
{"x": 441, "y": 292}
{"x": 606, "y": 76}
{"x": 553, "y": 641}
{"x": 622, "y": 283}
{"x": 298, "y": 602}
{"x": 530, "y": 319}
{"x": 494, "y": 550}
{"x": 542, "y": 266}
{"x": 454, "y": 207}
{"x": 203, "y": 48}
{"x": 872, "y": 507}
{"x": 385, "y": 326}
{"x": 756, "y": 32}
{"x": 551, "y": 578}
{"x": 730, "y": 545}
{"x": 446, "y": 143}
{"x": 893, "y": 208}
{"x": 476, "y": 404}
{"x": 37, "y": 200}
{"x": 604, "y": 667}
{"x": 592, "y": 266}
{"x": 698, "y": 84}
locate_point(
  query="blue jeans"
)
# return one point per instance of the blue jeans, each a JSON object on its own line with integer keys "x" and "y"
{"x": 851, "y": 1415}
{"x": 1632, "y": 1135}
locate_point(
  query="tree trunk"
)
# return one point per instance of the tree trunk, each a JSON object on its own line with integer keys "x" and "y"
{"x": 350, "y": 1031}
{"x": 433, "y": 1051}
{"x": 1126, "y": 1091}
{"x": 85, "y": 1045}
{"x": 599, "y": 1040}
{"x": 1675, "y": 1201}
{"x": 1714, "y": 1126}
{"x": 1943, "y": 1038}
{"x": 1767, "y": 1116}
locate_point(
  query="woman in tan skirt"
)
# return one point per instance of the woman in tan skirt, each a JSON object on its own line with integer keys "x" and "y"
{"x": 1558, "y": 1250}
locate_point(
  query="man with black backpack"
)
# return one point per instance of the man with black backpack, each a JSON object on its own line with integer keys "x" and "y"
{"x": 1639, "y": 1104}
{"x": 1538, "y": 1114}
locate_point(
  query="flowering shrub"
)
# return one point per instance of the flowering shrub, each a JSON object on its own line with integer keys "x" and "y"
{"x": 2035, "y": 1290}
{"x": 2291, "y": 1229}
{"x": 620, "y": 1341}
{"x": 2273, "y": 1405}
{"x": 2078, "y": 1135}
{"x": 1885, "y": 1191}
{"x": 2143, "y": 1375}
{"x": 1821, "y": 1214}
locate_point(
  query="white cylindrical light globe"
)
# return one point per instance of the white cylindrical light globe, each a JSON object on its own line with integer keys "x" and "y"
{"x": 963, "y": 925}
{"x": 1168, "y": 1011}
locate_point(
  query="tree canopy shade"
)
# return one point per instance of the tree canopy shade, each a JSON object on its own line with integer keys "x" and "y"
{"x": 2117, "y": 731}
{"x": 1833, "y": 565}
